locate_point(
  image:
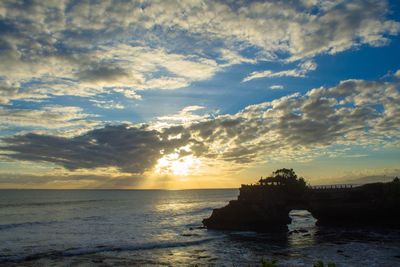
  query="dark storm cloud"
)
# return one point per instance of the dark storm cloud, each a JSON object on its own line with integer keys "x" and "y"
{"x": 99, "y": 72}
{"x": 130, "y": 149}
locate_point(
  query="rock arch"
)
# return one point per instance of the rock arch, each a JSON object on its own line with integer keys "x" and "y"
{"x": 265, "y": 207}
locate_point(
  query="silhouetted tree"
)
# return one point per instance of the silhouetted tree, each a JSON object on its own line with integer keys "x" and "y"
{"x": 284, "y": 177}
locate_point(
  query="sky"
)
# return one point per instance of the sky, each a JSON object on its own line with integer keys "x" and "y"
{"x": 196, "y": 93}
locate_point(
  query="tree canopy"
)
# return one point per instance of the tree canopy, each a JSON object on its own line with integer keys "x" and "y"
{"x": 284, "y": 177}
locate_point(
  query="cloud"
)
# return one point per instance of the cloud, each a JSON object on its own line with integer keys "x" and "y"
{"x": 128, "y": 93}
{"x": 50, "y": 180}
{"x": 233, "y": 57}
{"x": 50, "y": 117}
{"x": 276, "y": 87}
{"x": 301, "y": 71}
{"x": 80, "y": 48}
{"x": 143, "y": 68}
{"x": 352, "y": 113}
{"x": 7, "y": 91}
{"x": 102, "y": 73}
{"x": 183, "y": 117}
{"x": 123, "y": 68}
{"x": 301, "y": 29}
{"x": 130, "y": 149}
{"x": 13, "y": 91}
{"x": 107, "y": 104}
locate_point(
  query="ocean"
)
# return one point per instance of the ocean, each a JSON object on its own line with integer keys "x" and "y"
{"x": 163, "y": 228}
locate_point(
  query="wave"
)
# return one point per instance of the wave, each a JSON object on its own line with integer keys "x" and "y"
{"x": 67, "y": 202}
{"x": 46, "y": 223}
{"x": 98, "y": 249}
{"x": 24, "y": 224}
{"x": 198, "y": 211}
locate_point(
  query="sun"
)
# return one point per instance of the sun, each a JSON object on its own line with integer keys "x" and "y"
{"x": 179, "y": 166}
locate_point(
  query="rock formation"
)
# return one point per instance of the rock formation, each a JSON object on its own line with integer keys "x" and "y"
{"x": 265, "y": 206}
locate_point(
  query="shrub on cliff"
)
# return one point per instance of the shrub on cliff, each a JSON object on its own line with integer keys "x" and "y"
{"x": 286, "y": 178}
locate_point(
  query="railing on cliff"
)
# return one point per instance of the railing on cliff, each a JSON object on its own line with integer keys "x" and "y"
{"x": 334, "y": 186}
{"x": 251, "y": 187}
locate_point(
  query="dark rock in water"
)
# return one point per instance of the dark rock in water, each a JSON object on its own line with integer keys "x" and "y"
{"x": 239, "y": 215}
{"x": 298, "y": 231}
{"x": 265, "y": 206}
{"x": 185, "y": 234}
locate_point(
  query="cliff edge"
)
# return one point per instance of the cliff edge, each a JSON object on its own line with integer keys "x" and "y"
{"x": 265, "y": 206}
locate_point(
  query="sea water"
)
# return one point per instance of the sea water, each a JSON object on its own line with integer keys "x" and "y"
{"x": 160, "y": 227}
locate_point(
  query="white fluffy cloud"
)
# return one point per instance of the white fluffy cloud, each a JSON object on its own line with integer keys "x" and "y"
{"x": 125, "y": 68}
{"x": 276, "y": 87}
{"x": 81, "y": 48}
{"x": 107, "y": 104}
{"x": 301, "y": 71}
{"x": 184, "y": 117}
{"x": 60, "y": 120}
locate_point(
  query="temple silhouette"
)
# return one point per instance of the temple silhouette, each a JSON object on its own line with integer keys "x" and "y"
{"x": 265, "y": 206}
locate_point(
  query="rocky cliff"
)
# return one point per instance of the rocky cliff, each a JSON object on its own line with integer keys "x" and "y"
{"x": 266, "y": 206}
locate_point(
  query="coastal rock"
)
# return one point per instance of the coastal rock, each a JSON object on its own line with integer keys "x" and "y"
{"x": 265, "y": 206}
{"x": 240, "y": 215}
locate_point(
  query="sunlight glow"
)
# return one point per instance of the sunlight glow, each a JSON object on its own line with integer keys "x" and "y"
{"x": 173, "y": 164}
